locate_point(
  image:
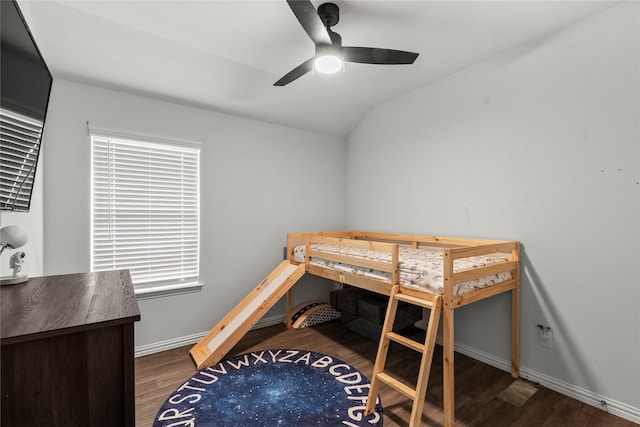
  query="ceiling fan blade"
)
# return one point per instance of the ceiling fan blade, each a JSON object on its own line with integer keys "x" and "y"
{"x": 310, "y": 21}
{"x": 296, "y": 73}
{"x": 372, "y": 55}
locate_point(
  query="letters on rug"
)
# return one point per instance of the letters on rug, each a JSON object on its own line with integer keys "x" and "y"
{"x": 270, "y": 388}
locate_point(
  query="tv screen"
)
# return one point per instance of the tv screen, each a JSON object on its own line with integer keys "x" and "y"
{"x": 25, "y": 85}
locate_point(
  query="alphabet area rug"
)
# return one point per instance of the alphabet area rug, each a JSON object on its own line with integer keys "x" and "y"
{"x": 272, "y": 388}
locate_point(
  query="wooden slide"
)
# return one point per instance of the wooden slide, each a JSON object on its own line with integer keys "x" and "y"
{"x": 213, "y": 347}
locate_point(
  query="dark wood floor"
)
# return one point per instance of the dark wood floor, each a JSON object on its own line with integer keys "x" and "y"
{"x": 477, "y": 384}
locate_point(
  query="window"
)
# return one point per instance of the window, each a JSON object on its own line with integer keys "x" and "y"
{"x": 145, "y": 212}
{"x": 19, "y": 147}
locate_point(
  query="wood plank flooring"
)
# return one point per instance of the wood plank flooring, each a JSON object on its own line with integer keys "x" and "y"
{"x": 477, "y": 384}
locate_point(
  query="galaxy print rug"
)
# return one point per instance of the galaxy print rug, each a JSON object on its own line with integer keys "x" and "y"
{"x": 272, "y": 388}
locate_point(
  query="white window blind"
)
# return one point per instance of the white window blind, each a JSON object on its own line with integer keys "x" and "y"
{"x": 20, "y": 138}
{"x": 145, "y": 210}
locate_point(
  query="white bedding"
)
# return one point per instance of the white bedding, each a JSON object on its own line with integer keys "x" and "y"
{"x": 419, "y": 268}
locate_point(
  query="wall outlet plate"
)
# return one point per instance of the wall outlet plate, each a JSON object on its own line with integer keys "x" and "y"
{"x": 545, "y": 338}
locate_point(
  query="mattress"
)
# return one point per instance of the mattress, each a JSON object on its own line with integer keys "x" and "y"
{"x": 418, "y": 268}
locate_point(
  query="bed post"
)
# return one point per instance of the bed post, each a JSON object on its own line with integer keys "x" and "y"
{"x": 448, "y": 342}
{"x": 288, "y": 321}
{"x": 515, "y": 317}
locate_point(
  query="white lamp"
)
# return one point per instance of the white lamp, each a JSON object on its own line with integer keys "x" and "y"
{"x": 328, "y": 64}
{"x": 13, "y": 237}
{"x": 328, "y": 59}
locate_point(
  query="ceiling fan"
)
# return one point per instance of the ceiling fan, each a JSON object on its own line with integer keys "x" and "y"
{"x": 330, "y": 53}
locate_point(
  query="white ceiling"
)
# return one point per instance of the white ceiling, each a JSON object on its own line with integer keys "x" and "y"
{"x": 226, "y": 55}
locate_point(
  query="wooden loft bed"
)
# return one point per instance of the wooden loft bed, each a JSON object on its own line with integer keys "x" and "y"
{"x": 438, "y": 273}
{"x": 449, "y": 296}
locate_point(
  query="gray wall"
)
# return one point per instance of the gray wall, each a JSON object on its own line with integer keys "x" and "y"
{"x": 539, "y": 144}
{"x": 255, "y": 181}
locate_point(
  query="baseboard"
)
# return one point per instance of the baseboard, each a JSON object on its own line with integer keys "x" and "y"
{"x": 612, "y": 406}
{"x": 270, "y": 321}
{"x": 147, "y": 349}
{"x": 157, "y": 347}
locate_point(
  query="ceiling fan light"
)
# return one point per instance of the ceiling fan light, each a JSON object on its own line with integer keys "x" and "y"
{"x": 328, "y": 64}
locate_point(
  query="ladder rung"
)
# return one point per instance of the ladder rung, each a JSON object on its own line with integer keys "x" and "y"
{"x": 401, "y": 387}
{"x": 413, "y": 300}
{"x": 407, "y": 342}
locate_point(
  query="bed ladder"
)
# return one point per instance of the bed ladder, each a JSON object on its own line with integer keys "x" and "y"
{"x": 379, "y": 376}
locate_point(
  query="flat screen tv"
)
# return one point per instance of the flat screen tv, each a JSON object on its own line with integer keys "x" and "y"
{"x": 25, "y": 85}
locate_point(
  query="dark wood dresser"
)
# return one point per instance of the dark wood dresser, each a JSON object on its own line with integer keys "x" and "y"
{"x": 67, "y": 351}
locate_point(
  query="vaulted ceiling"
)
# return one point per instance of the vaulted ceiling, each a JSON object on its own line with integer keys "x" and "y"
{"x": 225, "y": 55}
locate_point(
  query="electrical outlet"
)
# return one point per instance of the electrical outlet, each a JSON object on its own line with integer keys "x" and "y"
{"x": 545, "y": 336}
{"x": 545, "y": 340}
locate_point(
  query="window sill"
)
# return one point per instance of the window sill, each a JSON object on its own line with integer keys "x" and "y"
{"x": 167, "y": 290}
